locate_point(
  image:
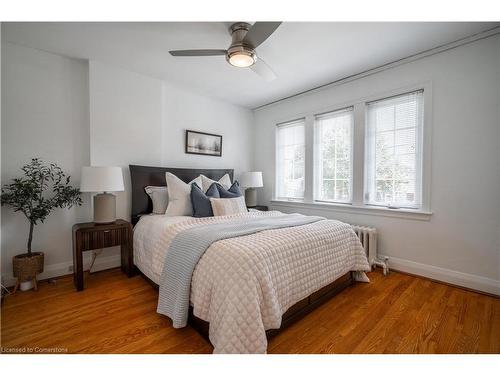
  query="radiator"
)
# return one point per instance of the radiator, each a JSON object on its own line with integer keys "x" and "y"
{"x": 368, "y": 238}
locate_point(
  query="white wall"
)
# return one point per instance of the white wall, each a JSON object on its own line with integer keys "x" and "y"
{"x": 461, "y": 242}
{"x": 45, "y": 114}
{"x": 184, "y": 110}
{"x": 78, "y": 113}
{"x": 136, "y": 119}
{"x": 125, "y": 122}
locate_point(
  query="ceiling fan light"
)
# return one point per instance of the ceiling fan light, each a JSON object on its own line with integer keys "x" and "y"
{"x": 242, "y": 59}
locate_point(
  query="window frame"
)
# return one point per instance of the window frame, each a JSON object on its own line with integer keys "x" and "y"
{"x": 316, "y": 153}
{"x": 419, "y": 154}
{"x": 281, "y": 125}
{"x": 358, "y": 206}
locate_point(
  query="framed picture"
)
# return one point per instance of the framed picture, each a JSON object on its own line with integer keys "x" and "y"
{"x": 203, "y": 143}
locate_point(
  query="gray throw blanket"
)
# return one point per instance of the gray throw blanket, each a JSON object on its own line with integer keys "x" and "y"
{"x": 188, "y": 247}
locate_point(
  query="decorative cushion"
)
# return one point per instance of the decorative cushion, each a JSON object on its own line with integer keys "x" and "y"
{"x": 228, "y": 206}
{"x": 179, "y": 195}
{"x": 233, "y": 192}
{"x": 159, "y": 197}
{"x": 201, "y": 201}
{"x": 225, "y": 181}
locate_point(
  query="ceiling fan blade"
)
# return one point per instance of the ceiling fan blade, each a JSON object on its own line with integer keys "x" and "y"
{"x": 259, "y": 32}
{"x": 198, "y": 52}
{"x": 263, "y": 70}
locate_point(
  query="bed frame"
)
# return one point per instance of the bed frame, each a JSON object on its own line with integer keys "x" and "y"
{"x": 143, "y": 176}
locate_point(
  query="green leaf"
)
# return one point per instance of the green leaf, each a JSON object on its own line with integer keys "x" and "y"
{"x": 43, "y": 188}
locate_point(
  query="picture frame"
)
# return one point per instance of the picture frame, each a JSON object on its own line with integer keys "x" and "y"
{"x": 200, "y": 143}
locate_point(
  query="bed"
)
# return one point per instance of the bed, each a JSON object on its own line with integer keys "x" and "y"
{"x": 246, "y": 289}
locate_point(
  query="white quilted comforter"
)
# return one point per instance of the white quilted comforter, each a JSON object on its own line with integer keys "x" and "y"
{"x": 244, "y": 285}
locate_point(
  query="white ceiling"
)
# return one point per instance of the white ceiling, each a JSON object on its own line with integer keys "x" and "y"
{"x": 304, "y": 55}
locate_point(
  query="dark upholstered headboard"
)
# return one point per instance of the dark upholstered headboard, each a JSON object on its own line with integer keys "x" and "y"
{"x": 142, "y": 176}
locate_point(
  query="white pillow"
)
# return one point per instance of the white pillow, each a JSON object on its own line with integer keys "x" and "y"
{"x": 228, "y": 206}
{"x": 179, "y": 195}
{"x": 225, "y": 181}
{"x": 159, "y": 197}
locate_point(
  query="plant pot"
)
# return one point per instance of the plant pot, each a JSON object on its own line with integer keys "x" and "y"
{"x": 26, "y": 285}
{"x": 26, "y": 267}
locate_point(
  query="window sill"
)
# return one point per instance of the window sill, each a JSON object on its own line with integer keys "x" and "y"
{"x": 401, "y": 213}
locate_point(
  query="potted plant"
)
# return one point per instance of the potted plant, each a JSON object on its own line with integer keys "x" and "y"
{"x": 43, "y": 188}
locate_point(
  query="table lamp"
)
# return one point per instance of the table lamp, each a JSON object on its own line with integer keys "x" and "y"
{"x": 102, "y": 180}
{"x": 250, "y": 181}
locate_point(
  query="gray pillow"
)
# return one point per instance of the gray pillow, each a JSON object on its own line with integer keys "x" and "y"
{"x": 159, "y": 197}
{"x": 233, "y": 192}
{"x": 201, "y": 201}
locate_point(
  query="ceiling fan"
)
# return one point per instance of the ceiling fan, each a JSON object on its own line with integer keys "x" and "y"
{"x": 241, "y": 53}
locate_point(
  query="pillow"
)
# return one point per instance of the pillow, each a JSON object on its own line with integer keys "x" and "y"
{"x": 225, "y": 181}
{"x": 201, "y": 201}
{"x": 179, "y": 196}
{"x": 228, "y": 206}
{"x": 159, "y": 197}
{"x": 233, "y": 192}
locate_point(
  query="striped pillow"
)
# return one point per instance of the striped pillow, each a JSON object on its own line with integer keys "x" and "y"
{"x": 228, "y": 206}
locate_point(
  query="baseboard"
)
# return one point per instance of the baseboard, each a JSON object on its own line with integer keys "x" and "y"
{"x": 61, "y": 269}
{"x": 466, "y": 280}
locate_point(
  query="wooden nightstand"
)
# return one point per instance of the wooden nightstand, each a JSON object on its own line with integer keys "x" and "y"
{"x": 260, "y": 208}
{"x": 91, "y": 236}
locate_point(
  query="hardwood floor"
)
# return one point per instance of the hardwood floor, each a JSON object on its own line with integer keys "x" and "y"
{"x": 394, "y": 314}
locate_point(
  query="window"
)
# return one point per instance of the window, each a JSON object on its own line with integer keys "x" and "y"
{"x": 366, "y": 155}
{"x": 393, "y": 157}
{"x": 290, "y": 158}
{"x": 333, "y": 156}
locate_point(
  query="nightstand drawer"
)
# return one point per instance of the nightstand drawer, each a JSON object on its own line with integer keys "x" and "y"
{"x": 102, "y": 238}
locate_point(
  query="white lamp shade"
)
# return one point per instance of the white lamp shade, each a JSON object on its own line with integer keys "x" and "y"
{"x": 251, "y": 180}
{"x": 99, "y": 179}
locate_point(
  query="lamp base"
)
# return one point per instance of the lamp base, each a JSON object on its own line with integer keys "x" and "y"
{"x": 104, "y": 208}
{"x": 251, "y": 197}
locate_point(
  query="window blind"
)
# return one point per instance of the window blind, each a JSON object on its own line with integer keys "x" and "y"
{"x": 333, "y": 156}
{"x": 393, "y": 158}
{"x": 290, "y": 160}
